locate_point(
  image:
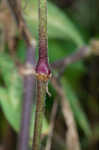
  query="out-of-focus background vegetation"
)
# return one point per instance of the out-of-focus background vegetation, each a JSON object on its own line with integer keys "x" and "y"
{"x": 71, "y": 24}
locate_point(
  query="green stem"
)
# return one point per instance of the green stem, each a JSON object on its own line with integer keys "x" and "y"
{"x": 41, "y": 93}
{"x": 43, "y": 72}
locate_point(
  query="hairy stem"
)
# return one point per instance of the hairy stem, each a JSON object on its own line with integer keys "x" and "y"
{"x": 42, "y": 66}
{"x": 43, "y": 73}
{"x": 41, "y": 86}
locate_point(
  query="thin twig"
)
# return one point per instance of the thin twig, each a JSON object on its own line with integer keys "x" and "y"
{"x": 80, "y": 54}
{"x": 72, "y": 140}
{"x": 16, "y": 11}
{"x": 52, "y": 121}
{"x": 76, "y": 56}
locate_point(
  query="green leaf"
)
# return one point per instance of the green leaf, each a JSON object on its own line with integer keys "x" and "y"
{"x": 59, "y": 49}
{"x": 11, "y": 113}
{"x": 79, "y": 114}
{"x": 59, "y": 24}
{"x": 74, "y": 72}
{"x": 11, "y": 95}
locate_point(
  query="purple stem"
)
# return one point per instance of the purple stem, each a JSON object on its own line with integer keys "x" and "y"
{"x": 43, "y": 66}
{"x": 79, "y": 54}
{"x": 43, "y": 71}
{"x": 29, "y": 96}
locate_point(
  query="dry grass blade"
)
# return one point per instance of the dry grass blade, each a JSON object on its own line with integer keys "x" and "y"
{"x": 72, "y": 140}
{"x": 52, "y": 122}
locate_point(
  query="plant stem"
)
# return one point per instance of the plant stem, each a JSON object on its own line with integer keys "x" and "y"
{"x": 52, "y": 125}
{"x": 72, "y": 138}
{"x": 41, "y": 86}
{"x": 28, "y": 100}
{"x": 43, "y": 73}
{"x": 76, "y": 56}
{"x": 42, "y": 29}
{"x": 61, "y": 64}
{"x": 42, "y": 66}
